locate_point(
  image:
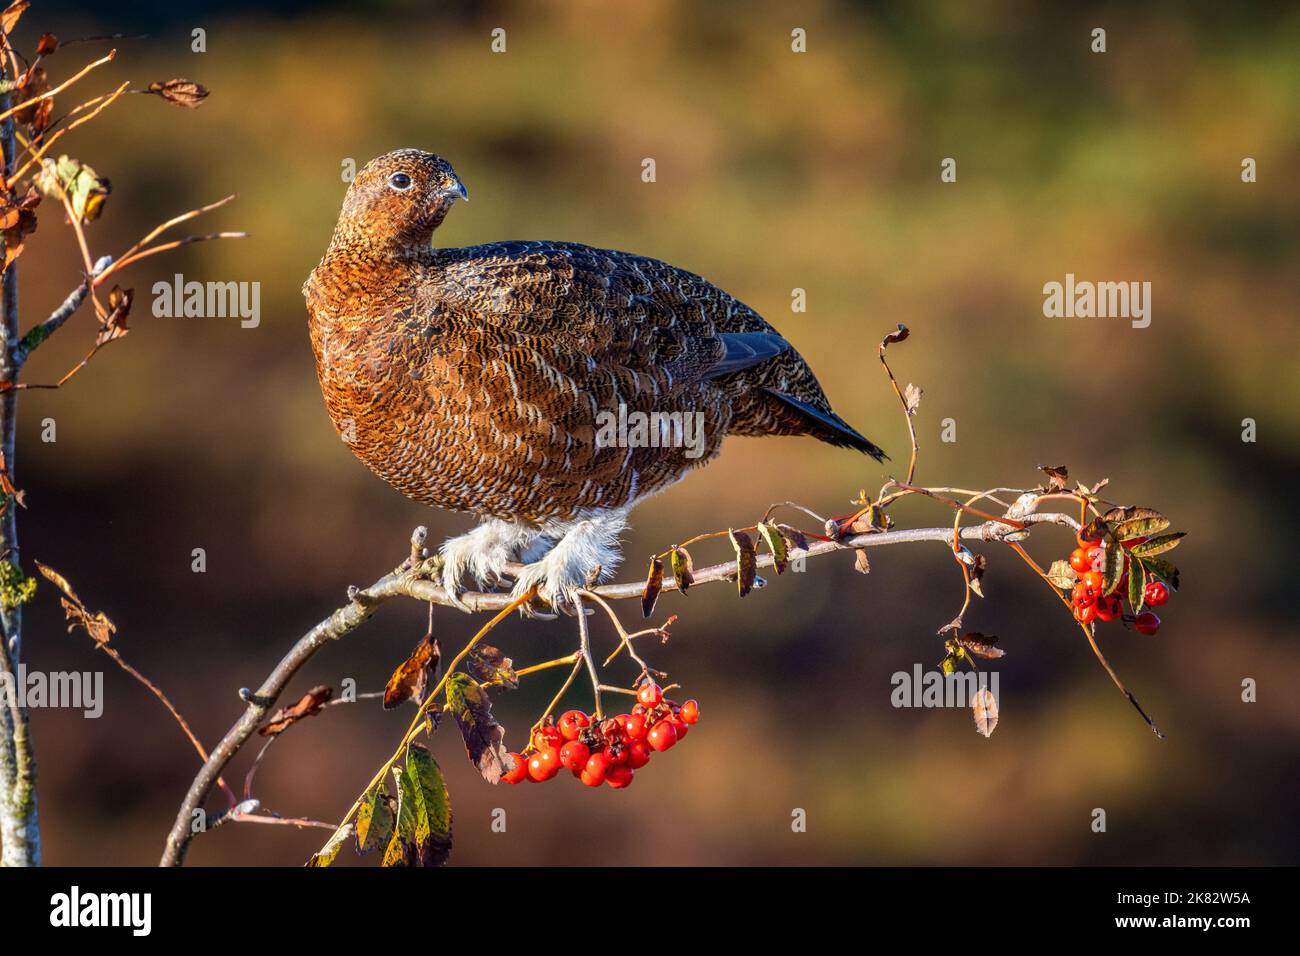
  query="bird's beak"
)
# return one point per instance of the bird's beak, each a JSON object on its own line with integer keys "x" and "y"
{"x": 456, "y": 190}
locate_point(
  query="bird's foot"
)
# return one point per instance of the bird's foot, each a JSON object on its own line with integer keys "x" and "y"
{"x": 586, "y": 550}
{"x": 482, "y": 555}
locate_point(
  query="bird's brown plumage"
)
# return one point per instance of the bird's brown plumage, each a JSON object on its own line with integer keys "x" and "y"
{"x": 473, "y": 378}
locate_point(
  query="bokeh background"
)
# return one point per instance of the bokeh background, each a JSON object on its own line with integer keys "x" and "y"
{"x": 775, "y": 171}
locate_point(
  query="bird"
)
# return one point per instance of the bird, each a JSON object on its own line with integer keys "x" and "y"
{"x": 545, "y": 388}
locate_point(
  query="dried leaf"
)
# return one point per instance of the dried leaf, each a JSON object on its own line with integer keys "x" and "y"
{"x": 414, "y": 675}
{"x": 1062, "y": 575}
{"x": 489, "y": 666}
{"x": 1057, "y": 476}
{"x": 98, "y": 626}
{"x": 978, "y": 564}
{"x": 185, "y": 93}
{"x": 653, "y": 585}
{"x": 795, "y": 539}
{"x": 308, "y": 705}
{"x": 861, "y": 564}
{"x": 912, "y": 398}
{"x": 114, "y": 325}
{"x": 47, "y": 44}
{"x": 484, "y": 737}
{"x": 898, "y": 335}
{"x": 980, "y": 645}
{"x": 776, "y": 544}
{"x": 9, "y": 18}
{"x": 325, "y": 856}
{"x": 746, "y": 561}
{"x": 871, "y": 520}
{"x": 984, "y": 708}
{"x": 683, "y": 568}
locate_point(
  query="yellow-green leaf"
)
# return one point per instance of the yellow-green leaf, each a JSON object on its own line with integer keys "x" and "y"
{"x": 776, "y": 544}
{"x": 1158, "y": 545}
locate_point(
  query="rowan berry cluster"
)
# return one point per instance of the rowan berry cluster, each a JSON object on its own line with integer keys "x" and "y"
{"x": 609, "y": 751}
{"x": 1090, "y": 600}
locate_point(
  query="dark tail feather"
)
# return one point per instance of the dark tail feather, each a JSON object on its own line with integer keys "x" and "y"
{"x": 827, "y": 426}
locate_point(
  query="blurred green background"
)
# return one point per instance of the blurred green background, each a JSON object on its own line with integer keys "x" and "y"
{"x": 775, "y": 171}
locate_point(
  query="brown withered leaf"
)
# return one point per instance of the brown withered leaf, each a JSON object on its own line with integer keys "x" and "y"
{"x": 873, "y": 519}
{"x": 1057, "y": 476}
{"x": 47, "y": 44}
{"x": 1062, "y": 575}
{"x": 912, "y": 398}
{"x": 1134, "y": 522}
{"x": 308, "y": 705}
{"x": 984, "y": 708}
{"x": 654, "y": 583}
{"x": 980, "y": 645}
{"x": 795, "y": 539}
{"x": 182, "y": 92}
{"x": 897, "y": 335}
{"x": 114, "y": 325}
{"x": 860, "y": 562}
{"x": 776, "y": 544}
{"x": 489, "y": 666}
{"x": 98, "y": 626}
{"x": 41, "y": 116}
{"x": 12, "y": 13}
{"x": 978, "y": 564}
{"x": 18, "y": 221}
{"x": 484, "y": 737}
{"x": 746, "y": 561}
{"x": 683, "y": 568}
{"x": 413, "y": 675}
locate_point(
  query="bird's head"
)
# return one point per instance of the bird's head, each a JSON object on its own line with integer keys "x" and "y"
{"x": 397, "y": 200}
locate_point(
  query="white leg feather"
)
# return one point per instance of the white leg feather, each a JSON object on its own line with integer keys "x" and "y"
{"x": 579, "y": 548}
{"x": 483, "y": 554}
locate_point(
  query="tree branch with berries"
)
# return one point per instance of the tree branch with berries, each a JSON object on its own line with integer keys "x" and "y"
{"x": 1117, "y": 573}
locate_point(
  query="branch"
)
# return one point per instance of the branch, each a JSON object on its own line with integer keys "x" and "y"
{"x": 39, "y": 333}
{"x": 409, "y": 580}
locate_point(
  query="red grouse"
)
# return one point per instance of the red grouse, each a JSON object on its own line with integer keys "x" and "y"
{"x": 545, "y": 387}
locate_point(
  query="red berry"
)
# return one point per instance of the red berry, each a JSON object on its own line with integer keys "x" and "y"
{"x": 1081, "y": 596}
{"x": 1093, "y": 581}
{"x": 638, "y": 754}
{"x": 681, "y": 727}
{"x": 617, "y": 755}
{"x": 1110, "y": 607}
{"x": 574, "y": 754}
{"x": 1156, "y": 593}
{"x": 548, "y": 736}
{"x": 597, "y": 767}
{"x": 635, "y": 727}
{"x": 662, "y": 735}
{"x": 1147, "y": 623}
{"x": 1096, "y": 558}
{"x": 1079, "y": 560}
{"x": 650, "y": 694}
{"x": 1085, "y": 613}
{"x": 544, "y": 764}
{"x": 619, "y": 777}
{"x": 571, "y": 723}
{"x": 690, "y": 712}
{"x": 520, "y": 773}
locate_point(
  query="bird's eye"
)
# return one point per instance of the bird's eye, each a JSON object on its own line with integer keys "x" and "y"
{"x": 400, "y": 181}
